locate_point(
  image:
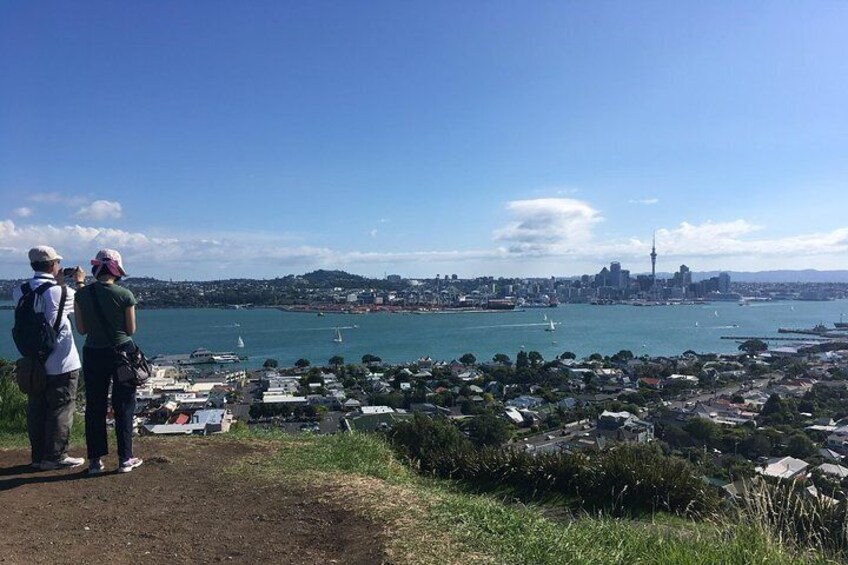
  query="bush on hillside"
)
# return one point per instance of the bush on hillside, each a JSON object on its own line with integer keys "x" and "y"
{"x": 13, "y": 403}
{"x": 625, "y": 480}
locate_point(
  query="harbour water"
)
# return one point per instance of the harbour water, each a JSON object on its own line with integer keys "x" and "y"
{"x": 582, "y": 329}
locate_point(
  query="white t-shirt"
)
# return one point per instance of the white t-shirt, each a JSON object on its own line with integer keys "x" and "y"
{"x": 64, "y": 358}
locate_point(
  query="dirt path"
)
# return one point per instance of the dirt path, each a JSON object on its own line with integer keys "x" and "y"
{"x": 177, "y": 508}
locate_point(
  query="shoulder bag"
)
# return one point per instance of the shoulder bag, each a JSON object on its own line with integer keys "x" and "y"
{"x": 133, "y": 368}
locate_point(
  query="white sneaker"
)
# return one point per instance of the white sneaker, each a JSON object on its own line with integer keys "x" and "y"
{"x": 130, "y": 464}
{"x": 66, "y": 462}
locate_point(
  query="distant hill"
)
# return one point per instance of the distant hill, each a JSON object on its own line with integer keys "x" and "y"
{"x": 323, "y": 278}
{"x": 781, "y": 276}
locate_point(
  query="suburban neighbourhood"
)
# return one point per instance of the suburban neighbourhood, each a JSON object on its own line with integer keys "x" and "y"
{"x": 780, "y": 413}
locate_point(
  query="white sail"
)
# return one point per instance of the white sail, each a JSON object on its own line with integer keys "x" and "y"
{"x": 240, "y": 342}
{"x": 338, "y": 338}
{"x": 551, "y": 328}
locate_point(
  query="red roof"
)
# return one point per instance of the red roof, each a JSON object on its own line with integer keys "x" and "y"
{"x": 650, "y": 381}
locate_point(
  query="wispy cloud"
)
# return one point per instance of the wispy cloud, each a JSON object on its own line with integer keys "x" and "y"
{"x": 23, "y": 212}
{"x": 100, "y": 210}
{"x": 373, "y": 233}
{"x": 645, "y": 201}
{"x": 56, "y": 198}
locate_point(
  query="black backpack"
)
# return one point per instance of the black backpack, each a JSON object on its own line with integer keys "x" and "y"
{"x": 33, "y": 336}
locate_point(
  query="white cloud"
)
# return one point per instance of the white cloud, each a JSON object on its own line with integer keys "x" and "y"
{"x": 548, "y": 226}
{"x": 56, "y": 198}
{"x": 100, "y": 210}
{"x": 549, "y": 236}
{"x": 23, "y": 212}
{"x": 373, "y": 233}
{"x": 645, "y": 201}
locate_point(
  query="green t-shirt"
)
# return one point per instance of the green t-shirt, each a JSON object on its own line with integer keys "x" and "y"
{"x": 114, "y": 301}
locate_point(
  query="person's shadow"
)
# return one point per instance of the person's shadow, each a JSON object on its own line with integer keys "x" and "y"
{"x": 20, "y": 475}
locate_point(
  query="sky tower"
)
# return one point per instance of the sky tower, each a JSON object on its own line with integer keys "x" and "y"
{"x": 654, "y": 260}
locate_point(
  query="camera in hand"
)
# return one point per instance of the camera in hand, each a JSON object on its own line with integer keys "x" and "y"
{"x": 69, "y": 272}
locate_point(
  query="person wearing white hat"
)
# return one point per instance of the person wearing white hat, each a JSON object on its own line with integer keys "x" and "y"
{"x": 106, "y": 316}
{"x": 50, "y": 412}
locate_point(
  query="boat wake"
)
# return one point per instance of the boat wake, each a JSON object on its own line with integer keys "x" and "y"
{"x": 530, "y": 325}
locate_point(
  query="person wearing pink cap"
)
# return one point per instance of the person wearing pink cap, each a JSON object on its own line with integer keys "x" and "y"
{"x": 105, "y": 314}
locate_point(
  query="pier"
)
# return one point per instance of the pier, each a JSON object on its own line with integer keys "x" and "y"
{"x": 745, "y": 338}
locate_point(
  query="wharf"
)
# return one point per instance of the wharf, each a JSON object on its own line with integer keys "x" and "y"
{"x": 745, "y": 338}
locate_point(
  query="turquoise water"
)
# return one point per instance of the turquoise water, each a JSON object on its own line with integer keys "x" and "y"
{"x": 583, "y": 329}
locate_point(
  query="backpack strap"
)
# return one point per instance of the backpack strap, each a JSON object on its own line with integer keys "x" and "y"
{"x": 44, "y": 287}
{"x": 61, "y": 311}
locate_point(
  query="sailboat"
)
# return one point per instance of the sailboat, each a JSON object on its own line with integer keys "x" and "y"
{"x": 240, "y": 343}
{"x": 338, "y": 338}
{"x": 715, "y": 313}
{"x": 551, "y": 328}
{"x": 545, "y": 317}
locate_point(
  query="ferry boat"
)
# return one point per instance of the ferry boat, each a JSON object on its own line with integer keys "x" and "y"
{"x": 200, "y": 356}
{"x": 840, "y": 324}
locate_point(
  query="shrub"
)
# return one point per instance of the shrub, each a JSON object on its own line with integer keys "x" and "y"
{"x": 13, "y": 403}
{"x": 626, "y": 480}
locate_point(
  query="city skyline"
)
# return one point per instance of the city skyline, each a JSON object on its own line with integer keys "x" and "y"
{"x": 275, "y": 138}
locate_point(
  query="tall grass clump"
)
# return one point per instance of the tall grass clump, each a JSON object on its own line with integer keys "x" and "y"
{"x": 633, "y": 477}
{"x": 796, "y": 518}
{"x": 626, "y": 480}
{"x": 13, "y": 403}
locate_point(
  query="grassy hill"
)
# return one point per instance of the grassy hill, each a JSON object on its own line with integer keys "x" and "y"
{"x": 433, "y": 521}
{"x": 350, "y": 487}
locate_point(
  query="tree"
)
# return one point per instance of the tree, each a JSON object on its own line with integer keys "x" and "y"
{"x": 775, "y": 411}
{"x": 535, "y": 358}
{"x": 753, "y": 346}
{"x": 800, "y": 446}
{"x": 596, "y": 357}
{"x": 755, "y": 445}
{"x": 302, "y": 363}
{"x": 488, "y": 430}
{"x": 336, "y": 360}
{"x": 622, "y": 356}
{"x": 521, "y": 361}
{"x": 270, "y": 364}
{"x": 501, "y": 358}
{"x": 705, "y": 431}
{"x": 568, "y": 355}
{"x": 468, "y": 359}
{"x": 369, "y": 358}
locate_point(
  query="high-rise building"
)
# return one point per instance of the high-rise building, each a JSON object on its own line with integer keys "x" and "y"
{"x": 685, "y": 276}
{"x": 723, "y": 282}
{"x": 615, "y": 274}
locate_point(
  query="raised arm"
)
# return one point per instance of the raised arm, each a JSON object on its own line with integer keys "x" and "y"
{"x": 78, "y": 318}
{"x": 129, "y": 319}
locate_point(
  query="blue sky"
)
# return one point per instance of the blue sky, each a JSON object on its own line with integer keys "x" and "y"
{"x": 225, "y": 139}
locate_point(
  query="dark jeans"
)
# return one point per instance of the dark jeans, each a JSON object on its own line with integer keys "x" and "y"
{"x": 99, "y": 368}
{"x": 50, "y": 414}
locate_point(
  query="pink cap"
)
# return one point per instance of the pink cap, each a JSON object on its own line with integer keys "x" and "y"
{"x": 110, "y": 260}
